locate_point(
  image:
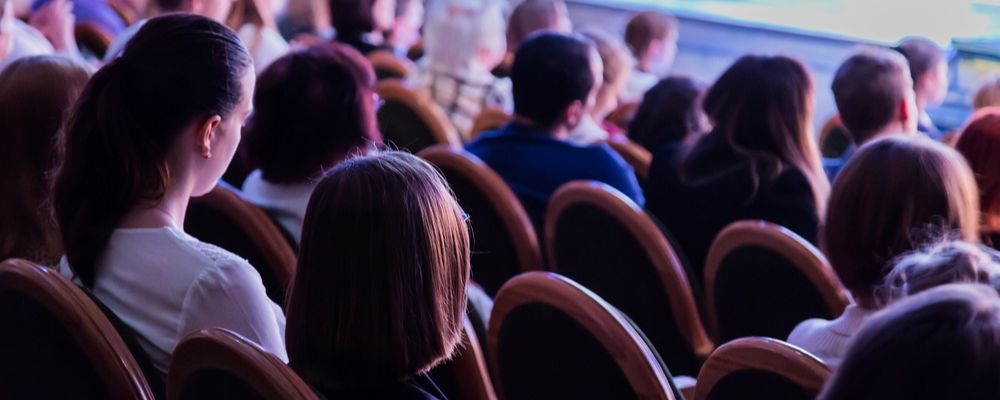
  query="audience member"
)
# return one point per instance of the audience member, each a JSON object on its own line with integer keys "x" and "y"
{"x": 36, "y": 95}
{"x": 874, "y": 94}
{"x": 616, "y": 67}
{"x": 937, "y": 264}
{"x": 405, "y": 31}
{"x": 254, "y": 20}
{"x": 670, "y": 112}
{"x": 652, "y": 37}
{"x": 138, "y": 146}
{"x": 96, "y": 12}
{"x": 463, "y": 41}
{"x": 979, "y": 142}
{"x": 988, "y": 95}
{"x": 940, "y": 344}
{"x": 217, "y": 10}
{"x": 929, "y": 71}
{"x": 532, "y": 16}
{"x": 313, "y": 108}
{"x": 50, "y": 31}
{"x": 360, "y": 23}
{"x": 379, "y": 292}
{"x": 896, "y": 194}
{"x": 760, "y": 160}
{"x": 553, "y": 81}
{"x": 306, "y": 19}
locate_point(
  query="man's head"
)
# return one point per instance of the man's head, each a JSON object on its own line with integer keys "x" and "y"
{"x": 874, "y": 94}
{"x": 554, "y": 76}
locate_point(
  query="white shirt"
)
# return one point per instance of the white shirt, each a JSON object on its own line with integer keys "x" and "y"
{"x": 829, "y": 340}
{"x": 165, "y": 284}
{"x": 290, "y": 201}
{"x": 27, "y": 42}
{"x": 265, "y": 45}
{"x": 638, "y": 83}
{"x": 587, "y": 132}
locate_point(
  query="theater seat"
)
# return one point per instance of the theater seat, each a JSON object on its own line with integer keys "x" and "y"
{"x": 761, "y": 368}
{"x": 411, "y": 121}
{"x": 56, "y": 344}
{"x": 215, "y": 363}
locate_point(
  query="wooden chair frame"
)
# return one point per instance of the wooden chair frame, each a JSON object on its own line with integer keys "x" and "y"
{"x": 765, "y": 354}
{"x": 638, "y": 363}
{"x": 74, "y": 310}
{"x": 637, "y": 156}
{"x": 469, "y": 365}
{"x": 804, "y": 256}
{"x": 429, "y": 112}
{"x": 492, "y": 186}
{"x": 386, "y": 60}
{"x": 217, "y": 348}
{"x": 658, "y": 249}
{"x": 259, "y": 228}
{"x": 488, "y": 119}
{"x": 90, "y": 32}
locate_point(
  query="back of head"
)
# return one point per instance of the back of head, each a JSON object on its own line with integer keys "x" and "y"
{"x": 921, "y": 54}
{"x": 351, "y": 17}
{"x": 536, "y": 15}
{"x": 312, "y": 109}
{"x": 36, "y": 96}
{"x": 458, "y": 31}
{"x": 761, "y": 108}
{"x": 379, "y": 292}
{"x": 979, "y": 142}
{"x": 869, "y": 88}
{"x": 940, "y": 263}
{"x": 647, "y": 26}
{"x": 894, "y": 195}
{"x": 550, "y": 72}
{"x": 941, "y": 344}
{"x": 987, "y": 95}
{"x": 617, "y": 65}
{"x": 177, "y": 69}
{"x": 669, "y": 112}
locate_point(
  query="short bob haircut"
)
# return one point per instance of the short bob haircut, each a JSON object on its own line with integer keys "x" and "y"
{"x": 379, "y": 294}
{"x": 36, "y": 97}
{"x": 312, "y": 109}
{"x": 550, "y": 72}
{"x": 896, "y": 194}
{"x": 941, "y": 344}
{"x": 670, "y": 111}
{"x": 979, "y": 142}
{"x": 647, "y": 26}
{"x": 868, "y": 88}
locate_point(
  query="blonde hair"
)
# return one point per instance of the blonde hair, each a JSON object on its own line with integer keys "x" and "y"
{"x": 946, "y": 261}
{"x": 457, "y": 30}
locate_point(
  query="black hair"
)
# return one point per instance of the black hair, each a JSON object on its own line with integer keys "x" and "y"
{"x": 550, "y": 72}
{"x": 669, "y": 112}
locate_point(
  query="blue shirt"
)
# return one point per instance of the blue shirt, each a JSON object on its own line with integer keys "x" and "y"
{"x": 832, "y": 166}
{"x": 534, "y": 165}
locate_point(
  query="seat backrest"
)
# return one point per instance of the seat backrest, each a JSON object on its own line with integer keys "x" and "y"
{"x": 388, "y": 66}
{"x": 623, "y": 115}
{"x": 549, "y": 337}
{"x": 634, "y": 154}
{"x": 93, "y": 37}
{"x": 56, "y": 344}
{"x": 503, "y": 239}
{"x": 601, "y": 239}
{"x": 761, "y": 368}
{"x": 465, "y": 376}
{"x": 762, "y": 279}
{"x": 225, "y": 219}
{"x": 155, "y": 380}
{"x": 488, "y": 119}
{"x": 215, "y": 363}
{"x": 411, "y": 121}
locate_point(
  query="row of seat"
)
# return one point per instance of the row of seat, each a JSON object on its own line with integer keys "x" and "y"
{"x": 548, "y": 337}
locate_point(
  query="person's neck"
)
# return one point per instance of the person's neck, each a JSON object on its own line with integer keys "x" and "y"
{"x": 644, "y": 64}
{"x": 168, "y": 211}
{"x": 558, "y": 131}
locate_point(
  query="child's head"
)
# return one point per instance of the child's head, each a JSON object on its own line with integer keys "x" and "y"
{"x": 979, "y": 142}
{"x": 988, "y": 94}
{"x": 652, "y": 36}
{"x": 894, "y": 195}
{"x": 940, "y": 263}
{"x": 312, "y": 109}
{"x": 536, "y": 15}
{"x": 617, "y": 66}
{"x": 465, "y": 37}
{"x": 553, "y": 80}
{"x": 669, "y": 112}
{"x": 928, "y": 68}
{"x": 940, "y": 344}
{"x": 874, "y": 94}
{"x": 379, "y": 291}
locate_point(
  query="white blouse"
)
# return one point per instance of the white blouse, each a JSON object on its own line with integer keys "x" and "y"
{"x": 165, "y": 284}
{"x": 287, "y": 201}
{"x": 827, "y": 339}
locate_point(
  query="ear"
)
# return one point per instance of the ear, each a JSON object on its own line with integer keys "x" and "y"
{"x": 573, "y": 114}
{"x": 205, "y": 134}
{"x": 903, "y": 112}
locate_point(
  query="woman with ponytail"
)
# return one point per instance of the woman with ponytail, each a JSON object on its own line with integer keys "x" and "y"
{"x": 153, "y": 128}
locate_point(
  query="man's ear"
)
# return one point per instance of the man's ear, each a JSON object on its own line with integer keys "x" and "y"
{"x": 205, "y": 133}
{"x": 904, "y": 112}
{"x": 573, "y": 114}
